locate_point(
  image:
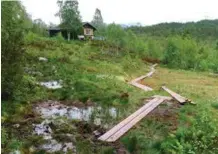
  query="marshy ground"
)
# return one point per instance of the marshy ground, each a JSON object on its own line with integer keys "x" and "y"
{"x": 90, "y": 94}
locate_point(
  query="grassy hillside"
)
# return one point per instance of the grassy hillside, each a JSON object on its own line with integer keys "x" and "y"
{"x": 98, "y": 73}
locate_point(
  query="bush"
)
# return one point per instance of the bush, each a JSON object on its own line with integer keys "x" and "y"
{"x": 59, "y": 37}
{"x": 13, "y": 28}
{"x": 200, "y": 137}
{"x": 181, "y": 53}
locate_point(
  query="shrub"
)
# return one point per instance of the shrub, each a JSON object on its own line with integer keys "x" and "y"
{"x": 13, "y": 28}
{"x": 180, "y": 53}
{"x": 200, "y": 137}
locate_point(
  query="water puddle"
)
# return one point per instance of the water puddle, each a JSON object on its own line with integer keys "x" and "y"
{"x": 51, "y": 84}
{"x": 92, "y": 120}
{"x": 89, "y": 113}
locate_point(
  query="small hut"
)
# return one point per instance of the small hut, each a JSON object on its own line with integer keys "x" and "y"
{"x": 88, "y": 31}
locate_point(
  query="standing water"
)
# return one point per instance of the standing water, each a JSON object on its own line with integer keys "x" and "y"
{"x": 90, "y": 113}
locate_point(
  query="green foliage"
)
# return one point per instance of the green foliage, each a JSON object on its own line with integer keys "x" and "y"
{"x": 31, "y": 37}
{"x": 97, "y": 73}
{"x": 4, "y": 136}
{"x": 181, "y": 53}
{"x": 215, "y": 105}
{"x": 39, "y": 27}
{"x": 200, "y": 137}
{"x": 8, "y": 143}
{"x": 205, "y": 29}
{"x": 59, "y": 37}
{"x": 13, "y": 27}
{"x": 115, "y": 35}
{"x": 90, "y": 73}
{"x": 70, "y": 17}
{"x": 121, "y": 39}
{"x": 97, "y": 19}
{"x": 186, "y": 53}
{"x": 107, "y": 150}
{"x": 131, "y": 144}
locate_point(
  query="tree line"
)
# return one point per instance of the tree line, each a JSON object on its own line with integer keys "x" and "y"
{"x": 204, "y": 29}
{"x": 186, "y": 46}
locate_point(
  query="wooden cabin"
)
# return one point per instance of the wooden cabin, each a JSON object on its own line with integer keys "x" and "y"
{"x": 88, "y": 31}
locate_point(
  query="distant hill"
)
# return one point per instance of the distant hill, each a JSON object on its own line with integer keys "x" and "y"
{"x": 136, "y": 24}
{"x": 200, "y": 29}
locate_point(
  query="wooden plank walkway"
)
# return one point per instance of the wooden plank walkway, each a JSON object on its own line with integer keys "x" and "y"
{"x": 120, "y": 129}
{"x": 143, "y": 87}
{"x": 176, "y": 96}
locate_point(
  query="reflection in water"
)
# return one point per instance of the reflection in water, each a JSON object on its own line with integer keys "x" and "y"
{"x": 51, "y": 111}
{"x": 90, "y": 113}
{"x": 51, "y": 84}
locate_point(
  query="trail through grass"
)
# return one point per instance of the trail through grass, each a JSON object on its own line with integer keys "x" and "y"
{"x": 95, "y": 73}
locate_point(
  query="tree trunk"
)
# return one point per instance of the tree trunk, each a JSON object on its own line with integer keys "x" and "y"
{"x": 68, "y": 36}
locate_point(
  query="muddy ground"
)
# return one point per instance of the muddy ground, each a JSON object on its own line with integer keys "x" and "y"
{"x": 57, "y": 127}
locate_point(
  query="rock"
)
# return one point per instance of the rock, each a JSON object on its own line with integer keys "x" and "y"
{"x": 69, "y": 147}
{"x": 16, "y": 125}
{"x": 43, "y": 128}
{"x": 32, "y": 149}
{"x": 52, "y": 146}
{"x": 43, "y": 59}
{"x": 15, "y": 152}
{"x": 96, "y": 133}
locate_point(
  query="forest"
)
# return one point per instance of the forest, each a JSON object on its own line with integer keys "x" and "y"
{"x": 92, "y": 76}
{"x": 204, "y": 29}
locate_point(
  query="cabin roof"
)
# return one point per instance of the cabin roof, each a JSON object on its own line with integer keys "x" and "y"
{"x": 54, "y": 28}
{"x": 88, "y": 25}
{"x": 85, "y": 24}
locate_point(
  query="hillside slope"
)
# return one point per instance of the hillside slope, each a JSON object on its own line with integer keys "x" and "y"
{"x": 93, "y": 74}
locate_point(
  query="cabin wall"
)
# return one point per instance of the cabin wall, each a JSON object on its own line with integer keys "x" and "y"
{"x": 88, "y": 31}
{"x": 53, "y": 33}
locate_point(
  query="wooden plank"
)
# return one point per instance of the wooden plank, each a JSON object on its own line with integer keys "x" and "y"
{"x": 176, "y": 96}
{"x": 143, "y": 87}
{"x": 152, "y": 70}
{"x": 135, "y": 81}
{"x": 129, "y": 125}
{"x": 127, "y": 120}
{"x": 139, "y": 78}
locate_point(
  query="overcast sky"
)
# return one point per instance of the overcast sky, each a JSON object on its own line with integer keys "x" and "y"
{"x": 147, "y": 12}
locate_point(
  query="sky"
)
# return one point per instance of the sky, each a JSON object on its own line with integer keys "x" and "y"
{"x": 146, "y": 12}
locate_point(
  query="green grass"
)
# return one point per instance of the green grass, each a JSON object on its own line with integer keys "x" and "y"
{"x": 79, "y": 64}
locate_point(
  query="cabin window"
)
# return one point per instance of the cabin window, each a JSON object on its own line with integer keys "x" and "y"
{"x": 88, "y": 31}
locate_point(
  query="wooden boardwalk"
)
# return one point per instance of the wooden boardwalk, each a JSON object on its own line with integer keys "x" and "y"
{"x": 120, "y": 129}
{"x": 143, "y": 87}
{"x": 179, "y": 98}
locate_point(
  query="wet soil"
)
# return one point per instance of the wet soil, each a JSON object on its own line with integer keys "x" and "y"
{"x": 166, "y": 113}
{"x": 66, "y": 127}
